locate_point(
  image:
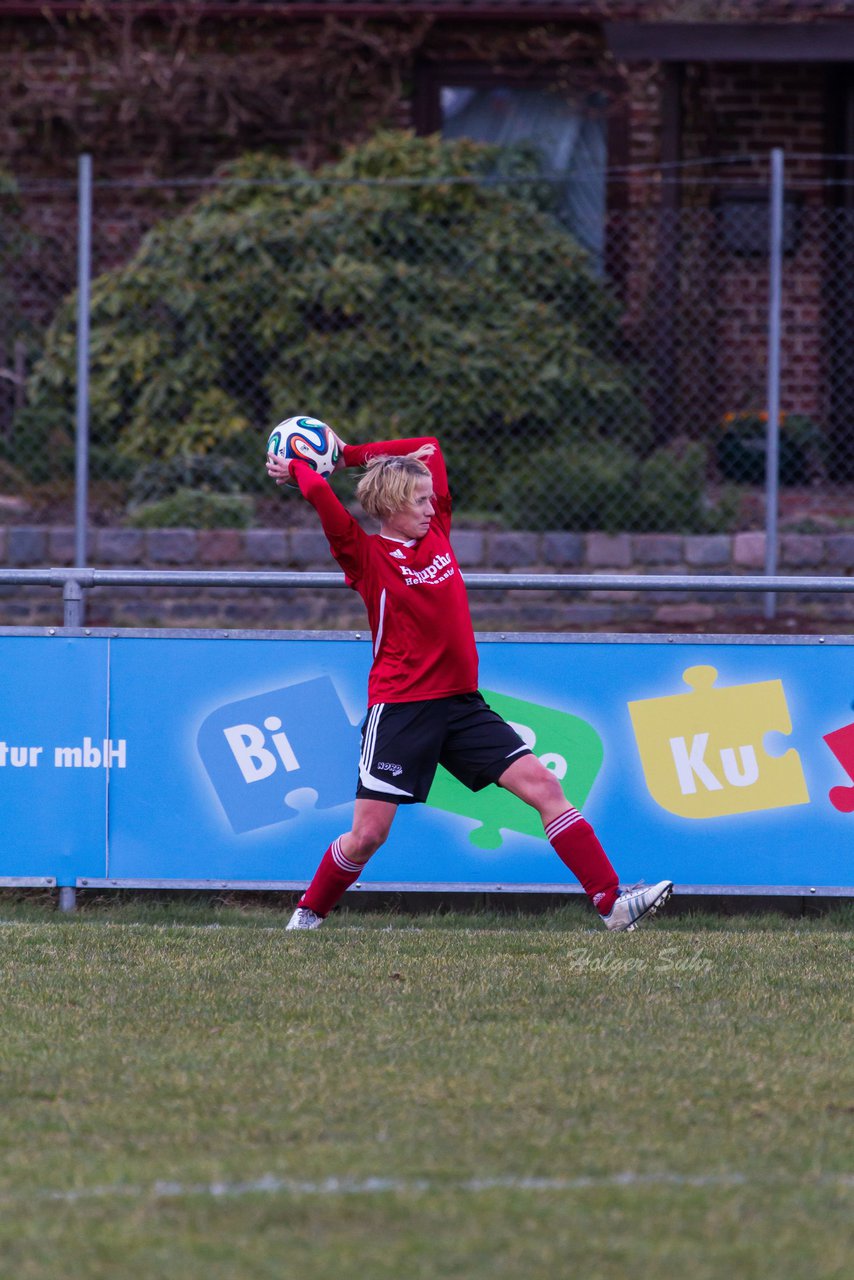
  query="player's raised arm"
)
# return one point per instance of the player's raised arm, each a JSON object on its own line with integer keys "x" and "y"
{"x": 334, "y": 516}
{"x": 356, "y": 455}
{"x": 344, "y": 535}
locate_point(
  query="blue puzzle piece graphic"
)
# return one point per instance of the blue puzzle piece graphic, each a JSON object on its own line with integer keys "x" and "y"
{"x": 267, "y": 754}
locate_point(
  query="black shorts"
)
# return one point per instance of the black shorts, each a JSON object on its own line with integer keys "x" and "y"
{"x": 404, "y": 742}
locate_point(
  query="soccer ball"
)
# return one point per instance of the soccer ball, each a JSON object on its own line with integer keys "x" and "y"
{"x": 308, "y": 439}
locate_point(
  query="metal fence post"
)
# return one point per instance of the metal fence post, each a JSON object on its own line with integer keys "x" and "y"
{"x": 772, "y": 437}
{"x": 67, "y": 899}
{"x": 84, "y": 275}
{"x": 73, "y": 602}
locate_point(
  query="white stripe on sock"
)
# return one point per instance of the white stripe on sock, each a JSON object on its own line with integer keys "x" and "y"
{"x": 343, "y": 864}
{"x": 563, "y": 822}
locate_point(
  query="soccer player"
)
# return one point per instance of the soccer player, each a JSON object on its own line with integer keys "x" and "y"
{"x": 424, "y": 707}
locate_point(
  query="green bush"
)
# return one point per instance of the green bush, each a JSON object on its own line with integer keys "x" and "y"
{"x": 209, "y": 473}
{"x": 741, "y": 449}
{"x": 194, "y": 509}
{"x": 609, "y": 488}
{"x": 458, "y": 309}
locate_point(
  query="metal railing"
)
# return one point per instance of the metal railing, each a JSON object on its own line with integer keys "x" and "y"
{"x": 75, "y": 581}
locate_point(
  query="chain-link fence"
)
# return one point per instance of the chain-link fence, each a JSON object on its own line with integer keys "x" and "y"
{"x": 37, "y": 270}
{"x": 624, "y": 394}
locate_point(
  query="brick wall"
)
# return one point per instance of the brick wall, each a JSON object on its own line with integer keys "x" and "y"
{"x": 478, "y": 552}
{"x": 745, "y": 110}
{"x": 742, "y": 109}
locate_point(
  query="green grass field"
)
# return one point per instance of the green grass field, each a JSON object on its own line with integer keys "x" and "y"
{"x": 189, "y": 1091}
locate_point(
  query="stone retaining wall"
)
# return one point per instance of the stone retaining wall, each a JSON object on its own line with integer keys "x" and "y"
{"x": 478, "y": 551}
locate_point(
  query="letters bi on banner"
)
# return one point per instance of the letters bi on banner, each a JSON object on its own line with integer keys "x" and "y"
{"x": 276, "y": 753}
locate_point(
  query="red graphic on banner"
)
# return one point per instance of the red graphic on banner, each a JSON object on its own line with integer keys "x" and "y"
{"x": 841, "y": 743}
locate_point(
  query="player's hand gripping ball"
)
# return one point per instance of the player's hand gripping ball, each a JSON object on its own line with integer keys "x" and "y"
{"x": 306, "y": 438}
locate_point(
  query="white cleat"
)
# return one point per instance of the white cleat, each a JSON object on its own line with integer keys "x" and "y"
{"x": 633, "y": 906}
{"x": 304, "y": 918}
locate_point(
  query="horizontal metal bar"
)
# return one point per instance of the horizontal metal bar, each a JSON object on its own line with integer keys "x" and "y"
{"x": 262, "y": 886}
{"x": 483, "y": 637}
{"x": 655, "y": 637}
{"x": 653, "y": 582}
{"x": 765, "y": 890}
{"x": 57, "y": 577}
{"x": 27, "y": 882}
{"x": 398, "y": 886}
{"x": 748, "y": 890}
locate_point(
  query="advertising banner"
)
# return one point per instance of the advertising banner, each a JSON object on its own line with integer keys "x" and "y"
{"x": 712, "y": 762}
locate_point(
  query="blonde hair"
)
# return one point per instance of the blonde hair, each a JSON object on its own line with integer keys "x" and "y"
{"x": 390, "y": 479}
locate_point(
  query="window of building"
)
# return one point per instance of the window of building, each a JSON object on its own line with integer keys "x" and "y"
{"x": 571, "y": 138}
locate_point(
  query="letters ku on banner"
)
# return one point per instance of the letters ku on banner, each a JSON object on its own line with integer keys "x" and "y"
{"x": 703, "y": 753}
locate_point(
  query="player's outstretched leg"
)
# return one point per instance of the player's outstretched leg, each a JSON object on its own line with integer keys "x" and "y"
{"x": 576, "y": 844}
{"x": 331, "y": 881}
{"x": 568, "y": 831}
{"x": 633, "y": 906}
{"x": 343, "y": 862}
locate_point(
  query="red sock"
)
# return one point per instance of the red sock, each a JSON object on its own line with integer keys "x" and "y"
{"x": 331, "y": 880}
{"x": 574, "y": 841}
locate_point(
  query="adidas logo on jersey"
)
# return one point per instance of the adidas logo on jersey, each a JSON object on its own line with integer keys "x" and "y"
{"x": 398, "y": 554}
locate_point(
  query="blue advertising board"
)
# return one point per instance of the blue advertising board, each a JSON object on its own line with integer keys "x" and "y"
{"x": 713, "y": 762}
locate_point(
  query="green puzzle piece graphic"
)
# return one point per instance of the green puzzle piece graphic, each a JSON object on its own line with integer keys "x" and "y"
{"x": 565, "y": 743}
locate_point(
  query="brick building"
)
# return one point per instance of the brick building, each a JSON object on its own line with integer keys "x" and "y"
{"x": 651, "y": 95}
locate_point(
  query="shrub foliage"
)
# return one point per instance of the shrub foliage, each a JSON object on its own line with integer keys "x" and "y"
{"x": 409, "y": 288}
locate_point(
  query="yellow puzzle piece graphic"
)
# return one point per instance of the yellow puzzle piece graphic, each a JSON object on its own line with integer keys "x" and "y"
{"x": 702, "y": 752}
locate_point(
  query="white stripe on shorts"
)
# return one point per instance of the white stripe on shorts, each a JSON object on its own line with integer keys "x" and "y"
{"x": 369, "y": 737}
{"x": 366, "y": 759}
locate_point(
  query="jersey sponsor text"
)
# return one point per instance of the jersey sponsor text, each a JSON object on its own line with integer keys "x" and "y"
{"x": 432, "y": 574}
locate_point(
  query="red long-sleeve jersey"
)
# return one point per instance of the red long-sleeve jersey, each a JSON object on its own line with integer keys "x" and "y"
{"x": 413, "y": 591}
